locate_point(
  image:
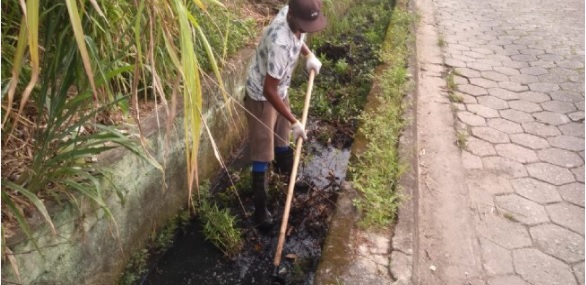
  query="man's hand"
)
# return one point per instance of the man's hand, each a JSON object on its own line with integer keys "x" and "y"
{"x": 298, "y": 131}
{"x": 312, "y": 63}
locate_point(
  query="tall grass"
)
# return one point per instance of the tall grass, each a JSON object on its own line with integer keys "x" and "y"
{"x": 70, "y": 66}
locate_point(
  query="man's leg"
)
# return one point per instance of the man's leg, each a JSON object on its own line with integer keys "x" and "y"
{"x": 283, "y": 152}
{"x": 261, "y": 120}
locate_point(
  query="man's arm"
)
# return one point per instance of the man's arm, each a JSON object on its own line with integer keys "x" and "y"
{"x": 270, "y": 92}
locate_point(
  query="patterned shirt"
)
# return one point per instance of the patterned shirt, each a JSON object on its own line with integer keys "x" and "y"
{"x": 276, "y": 54}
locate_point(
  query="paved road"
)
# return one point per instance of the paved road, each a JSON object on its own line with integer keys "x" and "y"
{"x": 515, "y": 216}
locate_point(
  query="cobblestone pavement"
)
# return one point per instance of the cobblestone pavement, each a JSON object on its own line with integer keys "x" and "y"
{"x": 517, "y": 68}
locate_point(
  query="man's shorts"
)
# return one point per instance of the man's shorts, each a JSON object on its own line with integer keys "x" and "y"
{"x": 266, "y": 129}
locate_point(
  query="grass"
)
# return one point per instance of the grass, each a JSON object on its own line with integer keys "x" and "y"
{"x": 452, "y": 88}
{"x": 462, "y": 140}
{"x": 441, "y": 42}
{"x": 219, "y": 225}
{"x": 377, "y": 169}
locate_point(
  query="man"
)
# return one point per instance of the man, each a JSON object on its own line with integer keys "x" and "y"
{"x": 269, "y": 75}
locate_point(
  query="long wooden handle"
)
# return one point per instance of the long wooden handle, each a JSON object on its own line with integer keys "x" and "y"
{"x": 293, "y": 177}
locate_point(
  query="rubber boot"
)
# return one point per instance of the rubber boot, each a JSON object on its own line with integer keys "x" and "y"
{"x": 284, "y": 165}
{"x": 262, "y": 218}
{"x": 284, "y": 162}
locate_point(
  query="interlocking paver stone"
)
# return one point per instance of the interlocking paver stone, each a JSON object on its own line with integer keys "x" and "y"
{"x": 551, "y": 118}
{"x": 479, "y": 66}
{"x": 524, "y": 57}
{"x": 552, "y": 78}
{"x": 544, "y": 87}
{"x": 567, "y": 72}
{"x": 496, "y": 259}
{"x": 502, "y": 231}
{"x": 535, "y": 97}
{"x": 541, "y": 269}
{"x": 533, "y": 70}
{"x": 460, "y": 80}
{"x": 490, "y": 135}
{"x": 513, "y": 86}
{"x": 525, "y": 106}
{"x": 535, "y": 190}
{"x": 471, "y": 119}
{"x": 472, "y": 90}
{"x": 484, "y": 83}
{"x": 558, "y": 242}
{"x": 494, "y": 76}
{"x": 551, "y": 57}
{"x": 521, "y": 209}
{"x": 467, "y": 72}
{"x": 505, "y": 165}
{"x": 572, "y": 86}
{"x": 532, "y": 51}
{"x": 515, "y": 64}
{"x": 524, "y": 78}
{"x": 493, "y": 102}
{"x": 543, "y": 63}
{"x": 559, "y": 107}
{"x": 482, "y": 111}
{"x": 567, "y": 215}
{"x": 540, "y": 129}
{"x": 573, "y": 193}
{"x": 570, "y": 64}
{"x": 505, "y": 126}
{"x": 567, "y": 142}
{"x": 506, "y": 70}
{"x": 566, "y": 96}
{"x": 507, "y": 280}
{"x": 516, "y": 116}
{"x": 572, "y": 129}
{"x": 579, "y": 173}
{"x": 530, "y": 141}
{"x": 454, "y": 62}
{"x": 577, "y": 116}
{"x": 550, "y": 173}
{"x": 579, "y": 272}
{"x": 516, "y": 152}
{"x": 480, "y": 147}
{"x": 503, "y": 94}
{"x": 560, "y": 157}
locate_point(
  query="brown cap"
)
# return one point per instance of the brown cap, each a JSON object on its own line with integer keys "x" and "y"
{"x": 307, "y": 15}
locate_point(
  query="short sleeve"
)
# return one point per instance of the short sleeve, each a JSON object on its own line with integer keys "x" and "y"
{"x": 277, "y": 61}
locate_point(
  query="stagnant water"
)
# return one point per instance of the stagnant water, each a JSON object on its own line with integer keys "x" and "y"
{"x": 192, "y": 260}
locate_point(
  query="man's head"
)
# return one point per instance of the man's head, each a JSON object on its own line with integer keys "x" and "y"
{"x": 306, "y": 15}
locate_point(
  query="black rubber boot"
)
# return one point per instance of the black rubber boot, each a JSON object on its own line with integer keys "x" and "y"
{"x": 284, "y": 162}
{"x": 284, "y": 165}
{"x": 262, "y": 218}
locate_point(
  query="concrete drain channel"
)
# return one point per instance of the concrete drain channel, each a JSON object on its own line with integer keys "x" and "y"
{"x": 193, "y": 260}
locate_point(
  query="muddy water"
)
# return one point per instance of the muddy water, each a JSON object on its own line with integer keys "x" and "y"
{"x": 192, "y": 260}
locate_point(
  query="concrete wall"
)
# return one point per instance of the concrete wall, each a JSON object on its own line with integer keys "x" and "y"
{"x": 91, "y": 248}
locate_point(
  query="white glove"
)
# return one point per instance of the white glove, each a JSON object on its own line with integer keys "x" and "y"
{"x": 312, "y": 63}
{"x": 298, "y": 131}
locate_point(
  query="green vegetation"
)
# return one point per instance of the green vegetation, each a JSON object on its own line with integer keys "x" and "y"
{"x": 452, "y": 88}
{"x": 348, "y": 51}
{"x": 377, "y": 169}
{"x": 73, "y": 73}
{"x": 219, "y": 225}
{"x": 462, "y": 140}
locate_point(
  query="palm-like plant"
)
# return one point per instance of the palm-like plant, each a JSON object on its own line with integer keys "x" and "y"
{"x": 74, "y": 62}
